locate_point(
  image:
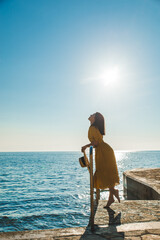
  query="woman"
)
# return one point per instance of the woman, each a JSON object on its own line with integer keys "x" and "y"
{"x": 106, "y": 174}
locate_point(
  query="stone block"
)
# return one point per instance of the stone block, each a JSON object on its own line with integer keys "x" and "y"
{"x": 150, "y": 237}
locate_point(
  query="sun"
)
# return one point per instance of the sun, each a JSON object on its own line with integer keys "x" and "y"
{"x": 110, "y": 76}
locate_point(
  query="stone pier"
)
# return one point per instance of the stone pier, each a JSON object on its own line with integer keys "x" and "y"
{"x": 142, "y": 184}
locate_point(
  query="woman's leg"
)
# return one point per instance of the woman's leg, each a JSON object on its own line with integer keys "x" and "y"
{"x": 111, "y": 198}
{"x": 112, "y": 192}
{"x": 115, "y": 192}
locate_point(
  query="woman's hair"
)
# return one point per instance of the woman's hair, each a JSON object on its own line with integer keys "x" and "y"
{"x": 99, "y": 123}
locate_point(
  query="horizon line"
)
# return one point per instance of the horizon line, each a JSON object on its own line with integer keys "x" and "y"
{"x": 23, "y": 151}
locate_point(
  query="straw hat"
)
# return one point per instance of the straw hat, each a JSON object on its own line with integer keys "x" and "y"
{"x": 82, "y": 162}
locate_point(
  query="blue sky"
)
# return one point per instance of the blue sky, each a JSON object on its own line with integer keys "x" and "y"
{"x": 61, "y": 61}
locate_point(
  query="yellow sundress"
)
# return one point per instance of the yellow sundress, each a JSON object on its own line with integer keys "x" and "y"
{"x": 106, "y": 174}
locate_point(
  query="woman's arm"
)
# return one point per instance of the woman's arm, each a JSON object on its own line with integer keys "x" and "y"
{"x": 93, "y": 143}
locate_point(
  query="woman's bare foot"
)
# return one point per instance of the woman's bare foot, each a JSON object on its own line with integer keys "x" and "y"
{"x": 116, "y": 194}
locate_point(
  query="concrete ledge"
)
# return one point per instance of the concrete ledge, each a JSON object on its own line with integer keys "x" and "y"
{"x": 43, "y": 234}
{"x": 142, "y": 184}
{"x": 130, "y": 227}
{"x": 131, "y": 231}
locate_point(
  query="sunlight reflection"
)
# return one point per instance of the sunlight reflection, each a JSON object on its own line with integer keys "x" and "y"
{"x": 120, "y": 155}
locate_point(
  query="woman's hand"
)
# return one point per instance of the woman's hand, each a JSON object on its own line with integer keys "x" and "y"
{"x": 93, "y": 143}
{"x": 84, "y": 148}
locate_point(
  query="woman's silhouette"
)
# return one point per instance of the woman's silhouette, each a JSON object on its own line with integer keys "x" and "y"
{"x": 106, "y": 174}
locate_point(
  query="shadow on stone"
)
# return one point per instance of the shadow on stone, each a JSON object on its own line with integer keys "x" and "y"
{"x": 113, "y": 220}
{"x": 105, "y": 232}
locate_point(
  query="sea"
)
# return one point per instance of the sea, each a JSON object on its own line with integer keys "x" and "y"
{"x": 47, "y": 190}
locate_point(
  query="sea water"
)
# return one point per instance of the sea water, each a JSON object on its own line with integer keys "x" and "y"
{"x": 44, "y": 190}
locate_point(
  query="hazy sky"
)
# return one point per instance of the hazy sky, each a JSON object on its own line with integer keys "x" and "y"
{"x": 62, "y": 60}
